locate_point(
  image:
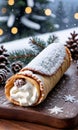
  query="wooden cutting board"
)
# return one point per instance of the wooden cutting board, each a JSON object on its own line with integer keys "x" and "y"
{"x": 41, "y": 114}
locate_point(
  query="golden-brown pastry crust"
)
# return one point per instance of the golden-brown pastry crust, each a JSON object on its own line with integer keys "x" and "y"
{"x": 44, "y": 84}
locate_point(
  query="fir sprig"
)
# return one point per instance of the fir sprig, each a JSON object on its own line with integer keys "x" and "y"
{"x": 51, "y": 39}
{"x": 37, "y": 41}
{"x": 37, "y": 44}
{"x": 26, "y": 55}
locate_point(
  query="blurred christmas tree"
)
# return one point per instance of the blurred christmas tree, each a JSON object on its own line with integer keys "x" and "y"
{"x": 61, "y": 17}
{"x": 23, "y": 18}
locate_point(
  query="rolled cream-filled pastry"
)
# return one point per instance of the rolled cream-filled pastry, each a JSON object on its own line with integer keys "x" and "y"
{"x": 32, "y": 84}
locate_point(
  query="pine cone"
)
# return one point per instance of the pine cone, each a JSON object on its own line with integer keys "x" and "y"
{"x": 16, "y": 66}
{"x": 3, "y": 76}
{"x": 3, "y": 66}
{"x": 4, "y": 70}
{"x": 72, "y": 44}
{"x": 3, "y": 59}
{"x": 3, "y": 55}
{"x": 2, "y": 50}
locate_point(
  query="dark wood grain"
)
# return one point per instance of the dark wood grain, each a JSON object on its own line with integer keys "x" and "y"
{"x": 40, "y": 114}
{"x": 21, "y": 125}
{"x": 17, "y": 125}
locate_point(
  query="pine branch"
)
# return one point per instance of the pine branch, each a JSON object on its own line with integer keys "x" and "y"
{"x": 24, "y": 55}
{"x": 37, "y": 43}
{"x": 51, "y": 39}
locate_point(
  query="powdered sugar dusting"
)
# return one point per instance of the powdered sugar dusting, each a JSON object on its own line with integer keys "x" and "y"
{"x": 49, "y": 60}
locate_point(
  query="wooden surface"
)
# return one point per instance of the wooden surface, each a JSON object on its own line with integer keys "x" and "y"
{"x": 40, "y": 114}
{"x": 17, "y": 125}
{"x": 14, "y": 125}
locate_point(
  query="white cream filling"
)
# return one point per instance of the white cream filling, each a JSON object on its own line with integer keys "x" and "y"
{"x": 26, "y": 95}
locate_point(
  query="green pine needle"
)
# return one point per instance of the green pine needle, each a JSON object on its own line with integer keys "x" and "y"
{"x": 37, "y": 43}
{"x": 26, "y": 55}
{"x": 51, "y": 39}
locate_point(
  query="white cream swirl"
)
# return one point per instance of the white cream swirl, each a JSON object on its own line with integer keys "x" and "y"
{"x": 26, "y": 95}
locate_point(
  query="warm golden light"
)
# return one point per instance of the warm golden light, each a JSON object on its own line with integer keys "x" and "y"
{"x": 11, "y": 2}
{"x": 1, "y": 32}
{"x": 48, "y": 12}
{"x": 28, "y": 10}
{"x": 76, "y": 15}
{"x": 14, "y": 30}
{"x": 4, "y": 10}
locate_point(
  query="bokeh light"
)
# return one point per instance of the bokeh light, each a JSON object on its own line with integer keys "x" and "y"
{"x": 14, "y": 30}
{"x": 76, "y": 15}
{"x": 1, "y": 31}
{"x": 11, "y": 2}
{"x": 28, "y": 10}
{"x": 48, "y": 12}
{"x": 4, "y": 10}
